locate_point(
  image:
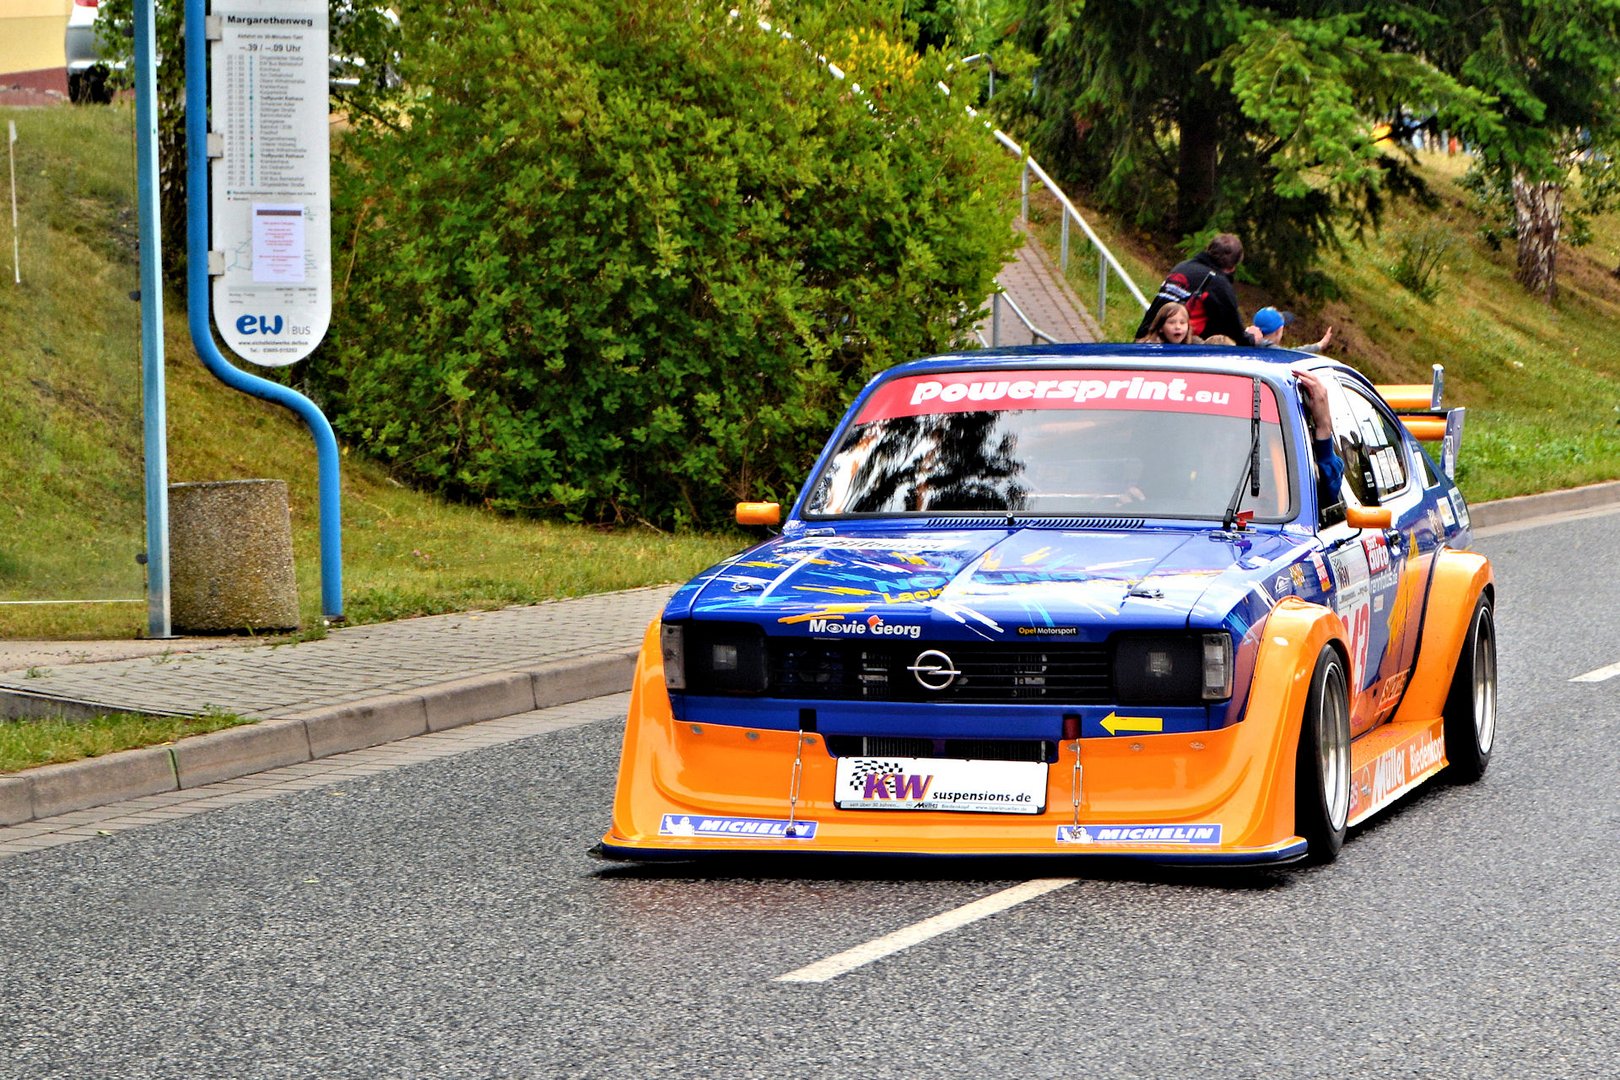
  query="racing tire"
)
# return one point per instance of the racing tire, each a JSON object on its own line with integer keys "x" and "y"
{"x": 1322, "y": 768}
{"x": 1470, "y": 713}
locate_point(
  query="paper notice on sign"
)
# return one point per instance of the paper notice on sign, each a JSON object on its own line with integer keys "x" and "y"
{"x": 278, "y": 244}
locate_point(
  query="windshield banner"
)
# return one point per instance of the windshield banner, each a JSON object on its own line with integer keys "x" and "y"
{"x": 1007, "y": 391}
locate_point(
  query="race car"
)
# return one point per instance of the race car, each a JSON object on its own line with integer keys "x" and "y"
{"x": 1096, "y": 600}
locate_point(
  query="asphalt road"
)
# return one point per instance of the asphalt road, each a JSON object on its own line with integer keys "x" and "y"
{"x": 444, "y": 920}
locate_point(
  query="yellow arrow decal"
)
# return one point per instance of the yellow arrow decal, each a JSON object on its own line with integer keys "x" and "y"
{"x": 830, "y": 611}
{"x": 1114, "y": 723}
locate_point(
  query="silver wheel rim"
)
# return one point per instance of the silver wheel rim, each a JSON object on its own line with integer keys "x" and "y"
{"x": 1333, "y": 747}
{"x": 1485, "y": 682}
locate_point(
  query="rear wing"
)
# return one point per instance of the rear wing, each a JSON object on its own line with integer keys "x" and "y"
{"x": 1418, "y": 407}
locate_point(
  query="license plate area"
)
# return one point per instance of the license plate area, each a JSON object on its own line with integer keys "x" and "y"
{"x": 953, "y": 784}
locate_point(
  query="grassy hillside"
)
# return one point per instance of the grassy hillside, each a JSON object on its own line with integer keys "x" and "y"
{"x": 1541, "y": 382}
{"x": 70, "y": 452}
{"x": 71, "y": 442}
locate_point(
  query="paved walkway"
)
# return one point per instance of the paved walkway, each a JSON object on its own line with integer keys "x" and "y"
{"x": 359, "y": 687}
{"x": 1033, "y": 282}
{"x": 349, "y": 665}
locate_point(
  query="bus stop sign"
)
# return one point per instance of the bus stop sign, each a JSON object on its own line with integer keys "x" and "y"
{"x": 271, "y": 257}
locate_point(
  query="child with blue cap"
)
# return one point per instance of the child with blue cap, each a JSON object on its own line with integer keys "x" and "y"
{"x": 1268, "y": 327}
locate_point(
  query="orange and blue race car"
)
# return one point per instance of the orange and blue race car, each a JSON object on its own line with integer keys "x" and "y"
{"x": 1106, "y": 600}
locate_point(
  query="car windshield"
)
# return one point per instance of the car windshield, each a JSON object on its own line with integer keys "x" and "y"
{"x": 1154, "y": 443}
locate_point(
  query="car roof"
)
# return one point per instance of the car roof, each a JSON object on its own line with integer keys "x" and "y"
{"x": 1269, "y": 363}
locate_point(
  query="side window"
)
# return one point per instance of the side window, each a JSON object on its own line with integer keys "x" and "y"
{"x": 1379, "y": 469}
{"x": 1421, "y": 463}
{"x": 1359, "y": 483}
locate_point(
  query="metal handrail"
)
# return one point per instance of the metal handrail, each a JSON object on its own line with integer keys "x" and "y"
{"x": 996, "y": 300}
{"x": 1106, "y": 259}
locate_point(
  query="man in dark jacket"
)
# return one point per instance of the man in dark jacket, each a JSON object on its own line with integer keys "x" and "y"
{"x": 1204, "y": 284}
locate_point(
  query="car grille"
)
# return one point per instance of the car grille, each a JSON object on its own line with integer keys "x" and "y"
{"x": 967, "y": 749}
{"x": 1072, "y": 674}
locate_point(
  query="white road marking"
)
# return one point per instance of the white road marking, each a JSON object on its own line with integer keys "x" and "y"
{"x": 916, "y": 933}
{"x": 1599, "y": 675}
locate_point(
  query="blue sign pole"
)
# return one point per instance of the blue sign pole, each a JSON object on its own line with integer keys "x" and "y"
{"x": 155, "y": 431}
{"x": 197, "y": 310}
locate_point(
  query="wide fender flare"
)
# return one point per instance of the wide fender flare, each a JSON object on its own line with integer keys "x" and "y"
{"x": 1294, "y": 634}
{"x": 1458, "y": 581}
{"x": 646, "y": 731}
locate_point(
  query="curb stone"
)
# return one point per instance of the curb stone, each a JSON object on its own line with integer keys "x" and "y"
{"x": 16, "y": 800}
{"x": 337, "y": 729}
{"x": 467, "y": 701}
{"x": 238, "y": 751}
{"x": 26, "y": 705}
{"x": 565, "y": 683}
{"x": 79, "y": 785}
{"x": 1524, "y": 507}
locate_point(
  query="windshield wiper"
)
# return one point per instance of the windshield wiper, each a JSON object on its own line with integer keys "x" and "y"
{"x": 1251, "y": 467}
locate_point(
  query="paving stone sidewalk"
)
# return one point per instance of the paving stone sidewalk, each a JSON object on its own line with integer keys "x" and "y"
{"x": 358, "y": 687}
{"x": 349, "y": 665}
{"x": 1035, "y": 284}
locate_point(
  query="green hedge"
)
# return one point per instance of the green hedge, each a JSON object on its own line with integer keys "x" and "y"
{"x": 629, "y": 260}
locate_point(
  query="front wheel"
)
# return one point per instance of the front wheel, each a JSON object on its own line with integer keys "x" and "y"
{"x": 1322, "y": 768}
{"x": 1471, "y": 706}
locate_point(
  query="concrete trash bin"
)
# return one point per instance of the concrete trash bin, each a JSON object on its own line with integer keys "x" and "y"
{"x": 231, "y": 558}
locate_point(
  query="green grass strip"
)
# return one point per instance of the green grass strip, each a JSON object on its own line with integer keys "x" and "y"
{"x": 28, "y": 743}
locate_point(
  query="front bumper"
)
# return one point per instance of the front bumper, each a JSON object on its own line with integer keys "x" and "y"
{"x": 688, "y": 790}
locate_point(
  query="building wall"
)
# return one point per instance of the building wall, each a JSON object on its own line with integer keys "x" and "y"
{"x": 31, "y": 40}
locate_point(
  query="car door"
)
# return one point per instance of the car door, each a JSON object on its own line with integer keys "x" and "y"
{"x": 1381, "y": 575}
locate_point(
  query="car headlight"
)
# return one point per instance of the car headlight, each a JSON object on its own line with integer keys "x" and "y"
{"x": 714, "y": 658}
{"x": 1172, "y": 669}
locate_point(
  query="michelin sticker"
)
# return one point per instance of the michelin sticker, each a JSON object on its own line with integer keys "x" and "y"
{"x": 1139, "y": 834}
{"x": 732, "y": 827}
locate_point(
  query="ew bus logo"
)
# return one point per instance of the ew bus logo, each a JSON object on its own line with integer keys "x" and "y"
{"x": 248, "y": 325}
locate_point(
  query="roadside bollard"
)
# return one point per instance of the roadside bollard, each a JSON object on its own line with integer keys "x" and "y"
{"x": 230, "y": 557}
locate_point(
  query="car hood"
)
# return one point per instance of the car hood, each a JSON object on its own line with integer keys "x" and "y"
{"x": 988, "y": 583}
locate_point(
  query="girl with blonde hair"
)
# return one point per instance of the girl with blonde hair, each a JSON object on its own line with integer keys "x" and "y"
{"x": 1171, "y": 325}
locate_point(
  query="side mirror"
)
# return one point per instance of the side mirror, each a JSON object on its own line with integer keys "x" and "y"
{"x": 1369, "y": 517}
{"x": 763, "y": 513}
